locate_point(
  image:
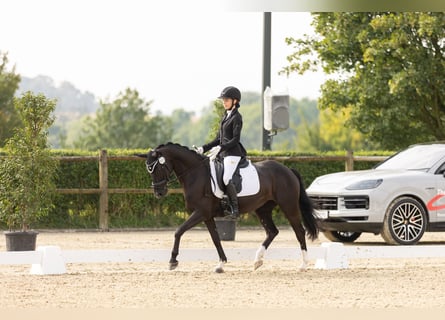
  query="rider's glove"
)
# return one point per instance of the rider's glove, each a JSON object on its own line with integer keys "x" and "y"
{"x": 214, "y": 152}
{"x": 199, "y": 150}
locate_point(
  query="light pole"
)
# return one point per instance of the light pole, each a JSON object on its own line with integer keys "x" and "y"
{"x": 267, "y": 139}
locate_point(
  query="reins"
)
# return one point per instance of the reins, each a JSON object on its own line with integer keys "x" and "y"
{"x": 187, "y": 171}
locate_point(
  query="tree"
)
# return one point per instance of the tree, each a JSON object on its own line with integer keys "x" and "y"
{"x": 72, "y": 104}
{"x": 9, "y": 82}
{"x": 184, "y": 125}
{"x": 285, "y": 140}
{"x": 329, "y": 133}
{"x": 27, "y": 174}
{"x": 124, "y": 123}
{"x": 390, "y": 71}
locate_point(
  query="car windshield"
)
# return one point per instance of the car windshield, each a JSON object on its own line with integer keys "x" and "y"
{"x": 419, "y": 157}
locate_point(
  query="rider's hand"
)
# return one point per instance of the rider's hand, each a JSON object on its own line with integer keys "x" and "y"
{"x": 214, "y": 152}
{"x": 199, "y": 150}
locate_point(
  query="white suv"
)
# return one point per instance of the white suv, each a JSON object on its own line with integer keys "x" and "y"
{"x": 400, "y": 198}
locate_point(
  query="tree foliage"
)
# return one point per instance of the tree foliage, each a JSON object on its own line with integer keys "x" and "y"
{"x": 124, "y": 123}
{"x": 9, "y": 82}
{"x": 330, "y": 133}
{"x": 390, "y": 71}
{"x": 77, "y": 127}
{"x": 27, "y": 174}
{"x": 72, "y": 104}
{"x": 299, "y": 111}
{"x": 192, "y": 131}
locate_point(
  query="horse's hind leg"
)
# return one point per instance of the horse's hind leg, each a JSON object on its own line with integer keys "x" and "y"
{"x": 298, "y": 228}
{"x": 264, "y": 213}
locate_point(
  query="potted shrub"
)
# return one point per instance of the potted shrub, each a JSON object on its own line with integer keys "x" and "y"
{"x": 27, "y": 172}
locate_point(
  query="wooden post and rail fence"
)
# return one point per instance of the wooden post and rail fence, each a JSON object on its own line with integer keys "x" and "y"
{"x": 104, "y": 190}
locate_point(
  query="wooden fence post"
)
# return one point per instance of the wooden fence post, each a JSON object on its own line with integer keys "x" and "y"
{"x": 103, "y": 186}
{"x": 349, "y": 164}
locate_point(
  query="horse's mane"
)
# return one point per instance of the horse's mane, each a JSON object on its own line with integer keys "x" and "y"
{"x": 177, "y": 145}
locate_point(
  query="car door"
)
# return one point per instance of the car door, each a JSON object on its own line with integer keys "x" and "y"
{"x": 436, "y": 202}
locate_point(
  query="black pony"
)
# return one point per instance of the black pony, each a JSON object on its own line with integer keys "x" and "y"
{"x": 279, "y": 185}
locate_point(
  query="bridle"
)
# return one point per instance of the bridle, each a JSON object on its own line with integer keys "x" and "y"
{"x": 162, "y": 165}
{"x": 151, "y": 166}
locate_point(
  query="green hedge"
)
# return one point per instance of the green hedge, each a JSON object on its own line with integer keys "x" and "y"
{"x": 144, "y": 210}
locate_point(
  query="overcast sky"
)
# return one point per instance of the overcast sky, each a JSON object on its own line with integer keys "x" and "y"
{"x": 179, "y": 58}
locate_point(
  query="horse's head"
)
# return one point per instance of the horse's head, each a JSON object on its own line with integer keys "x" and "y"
{"x": 160, "y": 171}
{"x": 168, "y": 158}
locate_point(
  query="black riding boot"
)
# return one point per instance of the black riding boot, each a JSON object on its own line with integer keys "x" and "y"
{"x": 233, "y": 199}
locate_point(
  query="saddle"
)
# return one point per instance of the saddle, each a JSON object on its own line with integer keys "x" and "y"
{"x": 245, "y": 178}
{"x": 236, "y": 179}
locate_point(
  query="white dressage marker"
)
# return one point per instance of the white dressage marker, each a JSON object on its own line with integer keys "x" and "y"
{"x": 51, "y": 261}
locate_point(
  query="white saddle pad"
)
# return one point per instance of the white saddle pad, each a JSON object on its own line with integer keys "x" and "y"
{"x": 250, "y": 181}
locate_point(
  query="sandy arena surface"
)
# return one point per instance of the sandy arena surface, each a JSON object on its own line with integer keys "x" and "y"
{"x": 278, "y": 284}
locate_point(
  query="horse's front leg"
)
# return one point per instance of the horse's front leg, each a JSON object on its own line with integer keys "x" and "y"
{"x": 192, "y": 221}
{"x": 211, "y": 226}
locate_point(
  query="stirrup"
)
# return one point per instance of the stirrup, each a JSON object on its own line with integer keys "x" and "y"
{"x": 229, "y": 214}
{"x": 232, "y": 215}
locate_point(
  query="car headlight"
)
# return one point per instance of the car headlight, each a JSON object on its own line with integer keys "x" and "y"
{"x": 365, "y": 184}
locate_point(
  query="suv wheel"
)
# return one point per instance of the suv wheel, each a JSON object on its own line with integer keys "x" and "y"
{"x": 342, "y": 236}
{"x": 405, "y": 221}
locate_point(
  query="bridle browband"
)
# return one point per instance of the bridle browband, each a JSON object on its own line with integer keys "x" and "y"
{"x": 151, "y": 166}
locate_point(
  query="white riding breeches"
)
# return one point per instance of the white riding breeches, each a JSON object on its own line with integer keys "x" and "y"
{"x": 230, "y": 164}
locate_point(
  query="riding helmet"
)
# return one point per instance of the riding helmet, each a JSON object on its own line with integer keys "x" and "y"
{"x": 230, "y": 92}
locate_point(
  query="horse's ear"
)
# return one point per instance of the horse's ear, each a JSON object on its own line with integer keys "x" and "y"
{"x": 141, "y": 155}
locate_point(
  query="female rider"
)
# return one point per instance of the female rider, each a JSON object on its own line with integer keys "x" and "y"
{"x": 227, "y": 143}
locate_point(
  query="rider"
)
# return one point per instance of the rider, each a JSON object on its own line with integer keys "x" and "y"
{"x": 227, "y": 143}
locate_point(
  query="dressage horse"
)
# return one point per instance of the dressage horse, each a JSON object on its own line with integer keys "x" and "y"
{"x": 279, "y": 185}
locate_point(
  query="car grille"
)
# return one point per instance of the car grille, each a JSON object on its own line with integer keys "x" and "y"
{"x": 356, "y": 202}
{"x": 324, "y": 203}
{"x": 348, "y": 202}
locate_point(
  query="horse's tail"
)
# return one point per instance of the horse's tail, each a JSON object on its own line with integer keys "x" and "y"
{"x": 307, "y": 210}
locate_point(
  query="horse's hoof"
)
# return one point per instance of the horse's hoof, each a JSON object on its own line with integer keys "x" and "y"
{"x": 173, "y": 265}
{"x": 219, "y": 270}
{"x": 220, "y": 267}
{"x": 257, "y": 264}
